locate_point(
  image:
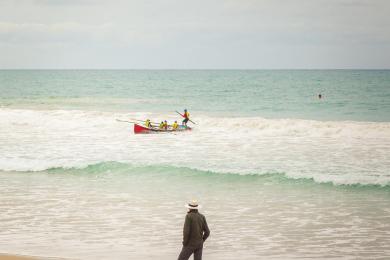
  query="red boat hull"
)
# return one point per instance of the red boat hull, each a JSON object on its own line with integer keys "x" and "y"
{"x": 139, "y": 129}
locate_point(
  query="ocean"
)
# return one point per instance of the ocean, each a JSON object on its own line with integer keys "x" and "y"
{"x": 280, "y": 173}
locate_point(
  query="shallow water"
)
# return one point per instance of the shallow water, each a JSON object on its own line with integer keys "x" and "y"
{"x": 122, "y": 212}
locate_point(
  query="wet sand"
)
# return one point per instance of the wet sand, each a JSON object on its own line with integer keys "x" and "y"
{"x": 26, "y": 257}
{"x": 17, "y": 257}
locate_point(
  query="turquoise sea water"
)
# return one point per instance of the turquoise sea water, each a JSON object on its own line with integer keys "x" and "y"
{"x": 295, "y": 175}
{"x": 348, "y": 94}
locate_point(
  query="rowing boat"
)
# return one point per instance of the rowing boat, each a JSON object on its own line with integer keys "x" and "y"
{"x": 139, "y": 129}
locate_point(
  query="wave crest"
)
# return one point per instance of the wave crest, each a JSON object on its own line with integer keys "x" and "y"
{"x": 117, "y": 168}
{"x": 339, "y": 152}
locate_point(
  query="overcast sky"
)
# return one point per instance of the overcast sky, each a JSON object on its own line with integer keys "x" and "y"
{"x": 197, "y": 34}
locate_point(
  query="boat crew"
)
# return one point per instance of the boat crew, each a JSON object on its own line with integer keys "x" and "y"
{"x": 165, "y": 125}
{"x": 186, "y": 116}
{"x": 175, "y": 125}
{"x": 161, "y": 126}
{"x": 148, "y": 124}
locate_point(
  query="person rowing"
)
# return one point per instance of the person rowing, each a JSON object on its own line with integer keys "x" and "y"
{"x": 175, "y": 126}
{"x": 148, "y": 124}
{"x": 165, "y": 125}
{"x": 186, "y": 116}
{"x": 161, "y": 126}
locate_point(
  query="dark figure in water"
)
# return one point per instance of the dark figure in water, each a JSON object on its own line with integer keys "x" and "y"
{"x": 195, "y": 232}
{"x": 319, "y": 96}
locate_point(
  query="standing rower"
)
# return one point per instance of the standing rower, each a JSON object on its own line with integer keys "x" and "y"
{"x": 186, "y": 116}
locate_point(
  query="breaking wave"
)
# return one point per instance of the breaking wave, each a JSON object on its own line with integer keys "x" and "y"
{"x": 163, "y": 171}
{"x": 338, "y": 152}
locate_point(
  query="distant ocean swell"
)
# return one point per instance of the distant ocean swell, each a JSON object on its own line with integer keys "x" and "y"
{"x": 347, "y": 94}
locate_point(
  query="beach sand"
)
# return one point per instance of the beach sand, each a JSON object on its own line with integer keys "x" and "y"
{"x": 25, "y": 257}
{"x": 17, "y": 257}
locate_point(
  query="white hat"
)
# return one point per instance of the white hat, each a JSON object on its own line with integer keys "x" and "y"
{"x": 192, "y": 205}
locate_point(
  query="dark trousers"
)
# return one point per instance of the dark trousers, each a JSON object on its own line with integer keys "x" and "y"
{"x": 187, "y": 251}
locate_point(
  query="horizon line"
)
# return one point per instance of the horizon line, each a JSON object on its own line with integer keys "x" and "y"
{"x": 195, "y": 69}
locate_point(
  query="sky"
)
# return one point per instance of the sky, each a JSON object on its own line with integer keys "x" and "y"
{"x": 201, "y": 34}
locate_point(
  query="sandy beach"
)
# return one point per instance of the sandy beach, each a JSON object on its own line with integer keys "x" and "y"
{"x": 25, "y": 257}
{"x": 17, "y": 257}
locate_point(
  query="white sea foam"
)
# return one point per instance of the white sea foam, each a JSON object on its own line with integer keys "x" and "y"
{"x": 344, "y": 152}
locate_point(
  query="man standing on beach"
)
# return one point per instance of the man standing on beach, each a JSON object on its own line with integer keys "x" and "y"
{"x": 195, "y": 232}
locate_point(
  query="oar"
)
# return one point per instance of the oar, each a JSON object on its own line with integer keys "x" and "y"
{"x": 143, "y": 121}
{"x": 188, "y": 118}
{"x": 124, "y": 121}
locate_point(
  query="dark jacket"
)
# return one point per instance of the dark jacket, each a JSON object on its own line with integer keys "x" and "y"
{"x": 195, "y": 230}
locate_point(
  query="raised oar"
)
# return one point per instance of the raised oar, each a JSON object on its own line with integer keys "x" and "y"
{"x": 142, "y": 121}
{"x": 188, "y": 118}
{"x": 124, "y": 121}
